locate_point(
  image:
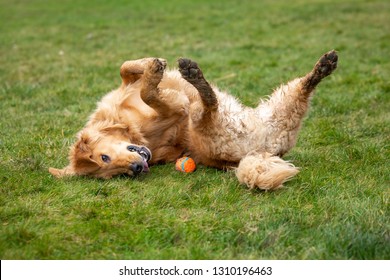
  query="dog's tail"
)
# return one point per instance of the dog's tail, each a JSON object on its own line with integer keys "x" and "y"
{"x": 264, "y": 171}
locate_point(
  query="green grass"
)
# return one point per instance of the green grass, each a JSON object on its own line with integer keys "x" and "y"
{"x": 57, "y": 58}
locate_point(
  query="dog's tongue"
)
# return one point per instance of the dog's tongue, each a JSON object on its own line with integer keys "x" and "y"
{"x": 146, "y": 167}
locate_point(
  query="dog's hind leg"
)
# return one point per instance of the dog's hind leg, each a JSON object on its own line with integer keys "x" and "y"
{"x": 323, "y": 68}
{"x": 288, "y": 104}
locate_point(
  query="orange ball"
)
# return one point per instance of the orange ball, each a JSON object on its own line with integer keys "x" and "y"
{"x": 185, "y": 164}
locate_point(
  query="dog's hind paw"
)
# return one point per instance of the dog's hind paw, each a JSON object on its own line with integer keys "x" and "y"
{"x": 189, "y": 69}
{"x": 326, "y": 64}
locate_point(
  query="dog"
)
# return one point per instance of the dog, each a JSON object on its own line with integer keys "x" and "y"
{"x": 158, "y": 115}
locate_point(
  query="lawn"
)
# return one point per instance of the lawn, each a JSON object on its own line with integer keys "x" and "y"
{"x": 57, "y": 58}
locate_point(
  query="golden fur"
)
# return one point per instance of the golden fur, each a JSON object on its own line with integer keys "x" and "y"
{"x": 159, "y": 115}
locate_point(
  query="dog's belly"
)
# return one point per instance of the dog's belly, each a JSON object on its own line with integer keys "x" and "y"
{"x": 230, "y": 138}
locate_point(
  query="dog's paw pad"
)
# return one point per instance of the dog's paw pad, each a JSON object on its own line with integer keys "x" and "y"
{"x": 326, "y": 64}
{"x": 189, "y": 69}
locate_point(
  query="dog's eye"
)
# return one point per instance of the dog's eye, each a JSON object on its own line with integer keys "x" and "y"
{"x": 106, "y": 158}
{"x": 131, "y": 148}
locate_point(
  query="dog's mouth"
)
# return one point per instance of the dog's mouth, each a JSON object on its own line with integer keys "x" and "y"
{"x": 146, "y": 155}
{"x": 146, "y": 167}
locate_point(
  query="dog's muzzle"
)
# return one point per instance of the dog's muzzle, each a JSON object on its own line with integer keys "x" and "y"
{"x": 138, "y": 167}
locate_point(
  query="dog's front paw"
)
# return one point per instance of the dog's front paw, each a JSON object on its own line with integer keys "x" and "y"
{"x": 189, "y": 69}
{"x": 326, "y": 64}
{"x": 157, "y": 65}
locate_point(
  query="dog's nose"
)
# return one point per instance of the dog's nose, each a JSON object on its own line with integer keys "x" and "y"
{"x": 137, "y": 168}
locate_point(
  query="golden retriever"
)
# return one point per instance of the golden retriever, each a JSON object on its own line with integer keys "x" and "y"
{"x": 159, "y": 115}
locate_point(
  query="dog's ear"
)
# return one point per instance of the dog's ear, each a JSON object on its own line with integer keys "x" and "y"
{"x": 81, "y": 160}
{"x": 59, "y": 173}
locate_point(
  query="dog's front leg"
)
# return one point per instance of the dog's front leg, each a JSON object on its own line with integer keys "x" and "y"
{"x": 167, "y": 102}
{"x": 202, "y": 114}
{"x": 132, "y": 70}
{"x": 150, "y": 93}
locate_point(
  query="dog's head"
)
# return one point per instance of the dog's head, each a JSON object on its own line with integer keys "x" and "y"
{"x": 106, "y": 152}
